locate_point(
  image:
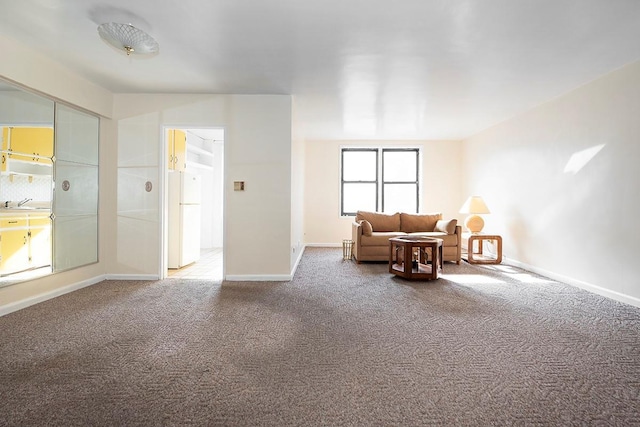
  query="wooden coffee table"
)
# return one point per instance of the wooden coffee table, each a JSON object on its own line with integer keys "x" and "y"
{"x": 415, "y": 258}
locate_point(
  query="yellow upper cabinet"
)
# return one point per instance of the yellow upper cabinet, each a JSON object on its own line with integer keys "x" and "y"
{"x": 170, "y": 134}
{"x": 27, "y": 144}
{"x": 177, "y": 149}
{"x": 5, "y": 146}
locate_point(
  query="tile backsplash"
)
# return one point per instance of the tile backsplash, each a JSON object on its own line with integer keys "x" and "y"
{"x": 18, "y": 187}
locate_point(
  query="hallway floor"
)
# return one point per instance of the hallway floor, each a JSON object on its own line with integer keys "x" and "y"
{"x": 209, "y": 266}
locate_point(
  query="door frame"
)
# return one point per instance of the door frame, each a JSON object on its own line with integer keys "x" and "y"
{"x": 164, "y": 193}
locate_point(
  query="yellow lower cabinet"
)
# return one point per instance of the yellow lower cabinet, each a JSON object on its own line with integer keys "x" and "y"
{"x": 40, "y": 241}
{"x": 14, "y": 245}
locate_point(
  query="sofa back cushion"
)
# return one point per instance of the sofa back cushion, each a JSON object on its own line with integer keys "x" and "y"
{"x": 413, "y": 223}
{"x": 380, "y": 221}
{"x": 367, "y": 229}
{"x": 445, "y": 226}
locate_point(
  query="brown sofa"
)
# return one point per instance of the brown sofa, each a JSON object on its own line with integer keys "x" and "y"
{"x": 371, "y": 232}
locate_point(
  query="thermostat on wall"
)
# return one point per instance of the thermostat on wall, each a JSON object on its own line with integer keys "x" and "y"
{"x": 238, "y": 185}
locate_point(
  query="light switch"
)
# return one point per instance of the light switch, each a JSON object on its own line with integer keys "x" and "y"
{"x": 238, "y": 185}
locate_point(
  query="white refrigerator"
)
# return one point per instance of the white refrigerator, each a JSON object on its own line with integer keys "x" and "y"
{"x": 185, "y": 191}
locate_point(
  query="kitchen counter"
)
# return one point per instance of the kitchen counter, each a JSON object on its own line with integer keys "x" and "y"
{"x": 4, "y": 212}
{"x": 31, "y": 206}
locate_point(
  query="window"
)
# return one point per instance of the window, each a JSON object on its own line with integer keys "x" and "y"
{"x": 380, "y": 179}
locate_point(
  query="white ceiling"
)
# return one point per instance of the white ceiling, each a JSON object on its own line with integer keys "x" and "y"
{"x": 374, "y": 69}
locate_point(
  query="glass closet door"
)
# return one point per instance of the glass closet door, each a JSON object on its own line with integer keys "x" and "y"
{"x": 26, "y": 148}
{"x": 75, "y": 200}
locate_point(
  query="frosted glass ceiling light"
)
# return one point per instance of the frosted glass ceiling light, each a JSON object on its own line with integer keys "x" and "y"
{"x": 128, "y": 38}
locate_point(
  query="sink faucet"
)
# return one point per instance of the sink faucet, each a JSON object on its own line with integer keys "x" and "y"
{"x": 23, "y": 201}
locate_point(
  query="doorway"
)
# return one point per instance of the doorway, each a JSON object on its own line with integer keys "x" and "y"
{"x": 194, "y": 154}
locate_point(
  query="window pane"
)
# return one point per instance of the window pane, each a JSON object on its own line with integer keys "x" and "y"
{"x": 400, "y": 198}
{"x": 358, "y": 197}
{"x": 359, "y": 165}
{"x": 400, "y": 165}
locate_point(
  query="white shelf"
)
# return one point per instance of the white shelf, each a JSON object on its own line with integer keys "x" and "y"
{"x": 21, "y": 167}
{"x": 199, "y": 151}
{"x": 197, "y": 165}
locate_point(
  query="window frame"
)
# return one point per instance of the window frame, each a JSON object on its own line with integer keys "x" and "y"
{"x": 416, "y": 182}
{"x": 343, "y": 182}
{"x": 379, "y": 181}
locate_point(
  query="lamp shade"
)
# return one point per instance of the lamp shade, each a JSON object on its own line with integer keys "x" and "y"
{"x": 474, "y": 205}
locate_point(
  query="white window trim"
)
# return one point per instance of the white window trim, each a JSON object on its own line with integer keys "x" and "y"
{"x": 380, "y": 149}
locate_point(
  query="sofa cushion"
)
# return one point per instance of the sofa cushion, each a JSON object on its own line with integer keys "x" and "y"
{"x": 378, "y": 238}
{"x": 411, "y": 223}
{"x": 366, "y": 227}
{"x": 380, "y": 221}
{"x": 445, "y": 226}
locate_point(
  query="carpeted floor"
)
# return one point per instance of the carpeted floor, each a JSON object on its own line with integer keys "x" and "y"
{"x": 341, "y": 344}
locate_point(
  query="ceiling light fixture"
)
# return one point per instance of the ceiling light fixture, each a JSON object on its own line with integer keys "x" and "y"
{"x": 128, "y": 38}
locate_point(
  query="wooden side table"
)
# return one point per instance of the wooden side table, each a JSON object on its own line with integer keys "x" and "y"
{"x": 475, "y": 253}
{"x": 409, "y": 257}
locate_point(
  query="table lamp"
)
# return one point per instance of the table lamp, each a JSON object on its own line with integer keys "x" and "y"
{"x": 474, "y": 206}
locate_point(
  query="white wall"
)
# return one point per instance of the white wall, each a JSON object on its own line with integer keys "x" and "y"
{"x": 217, "y": 196}
{"x": 257, "y": 150}
{"x": 35, "y": 71}
{"x": 441, "y": 185}
{"x": 297, "y": 188}
{"x": 580, "y": 224}
{"x": 258, "y": 220}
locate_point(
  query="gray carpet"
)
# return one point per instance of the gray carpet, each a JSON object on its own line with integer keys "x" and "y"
{"x": 342, "y": 344}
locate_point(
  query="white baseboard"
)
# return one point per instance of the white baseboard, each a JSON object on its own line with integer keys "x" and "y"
{"x": 258, "y": 278}
{"x": 132, "y": 277}
{"x": 19, "y": 305}
{"x": 267, "y": 277}
{"x": 618, "y": 296}
{"x": 295, "y": 266}
{"x": 323, "y": 245}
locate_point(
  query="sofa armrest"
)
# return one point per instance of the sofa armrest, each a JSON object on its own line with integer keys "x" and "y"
{"x": 356, "y": 235}
{"x": 356, "y": 230}
{"x": 458, "y": 233}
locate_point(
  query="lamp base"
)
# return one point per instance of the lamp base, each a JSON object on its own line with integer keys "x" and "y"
{"x": 474, "y": 223}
